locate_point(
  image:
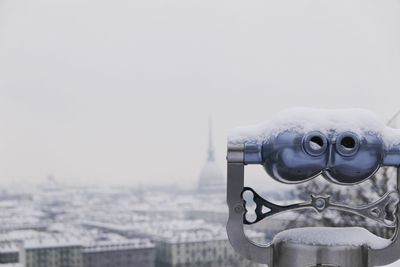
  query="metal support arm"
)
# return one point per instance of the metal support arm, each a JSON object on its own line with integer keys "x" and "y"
{"x": 237, "y": 237}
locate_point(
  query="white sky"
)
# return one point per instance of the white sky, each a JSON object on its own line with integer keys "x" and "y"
{"x": 118, "y": 92}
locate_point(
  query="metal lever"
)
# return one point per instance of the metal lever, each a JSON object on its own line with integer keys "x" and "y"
{"x": 383, "y": 210}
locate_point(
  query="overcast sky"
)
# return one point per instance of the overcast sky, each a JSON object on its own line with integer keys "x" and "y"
{"x": 118, "y": 92}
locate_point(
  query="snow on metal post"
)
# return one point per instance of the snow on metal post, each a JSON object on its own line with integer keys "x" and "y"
{"x": 346, "y": 147}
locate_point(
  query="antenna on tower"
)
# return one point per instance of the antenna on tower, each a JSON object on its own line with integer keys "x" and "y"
{"x": 393, "y": 119}
{"x": 210, "y": 141}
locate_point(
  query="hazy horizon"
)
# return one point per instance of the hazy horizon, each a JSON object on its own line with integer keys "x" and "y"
{"x": 120, "y": 93}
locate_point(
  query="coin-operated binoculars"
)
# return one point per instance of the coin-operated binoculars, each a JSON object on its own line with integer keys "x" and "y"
{"x": 346, "y": 147}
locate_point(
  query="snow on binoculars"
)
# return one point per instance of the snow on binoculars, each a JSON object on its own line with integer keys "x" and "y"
{"x": 346, "y": 147}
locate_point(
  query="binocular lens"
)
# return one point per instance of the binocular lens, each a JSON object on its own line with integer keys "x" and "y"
{"x": 347, "y": 144}
{"x": 315, "y": 143}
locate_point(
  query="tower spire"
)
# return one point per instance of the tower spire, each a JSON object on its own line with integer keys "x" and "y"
{"x": 210, "y": 141}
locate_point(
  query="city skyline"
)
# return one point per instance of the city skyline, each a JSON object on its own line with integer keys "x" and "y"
{"x": 124, "y": 100}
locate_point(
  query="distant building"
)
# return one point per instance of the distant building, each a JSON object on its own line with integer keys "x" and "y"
{"x": 45, "y": 250}
{"x": 178, "y": 243}
{"x": 139, "y": 252}
{"x": 201, "y": 248}
{"x": 39, "y": 226}
{"x": 211, "y": 179}
{"x": 210, "y": 212}
{"x": 52, "y": 253}
{"x": 51, "y": 184}
{"x": 9, "y": 252}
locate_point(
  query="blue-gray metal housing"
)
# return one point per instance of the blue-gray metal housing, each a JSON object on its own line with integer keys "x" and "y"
{"x": 343, "y": 158}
